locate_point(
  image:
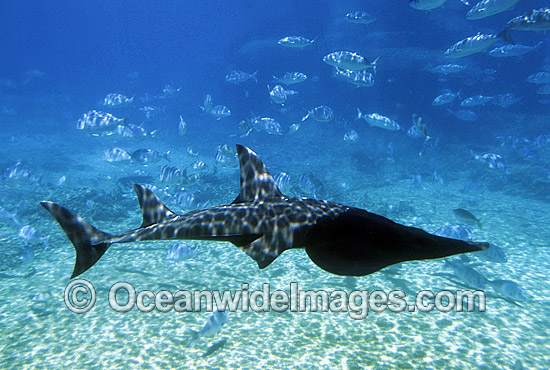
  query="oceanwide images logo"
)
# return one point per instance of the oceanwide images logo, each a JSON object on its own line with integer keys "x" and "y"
{"x": 80, "y": 297}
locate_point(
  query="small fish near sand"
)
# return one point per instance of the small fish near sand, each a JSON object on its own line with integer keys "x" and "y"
{"x": 210, "y": 329}
{"x": 467, "y": 217}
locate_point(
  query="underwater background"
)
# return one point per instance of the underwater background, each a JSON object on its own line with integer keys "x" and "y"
{"x": 93, "y": 96}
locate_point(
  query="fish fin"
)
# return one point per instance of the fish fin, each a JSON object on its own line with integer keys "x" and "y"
{"x": 87, "y": 240}
{"x": 374, "y": 63}
{"x": 505, "y": 35}
{"x": 154, "y": 211}
{"x": 256, "y": 181}
{"x": 359, "y": 114}
{"x": 261, "y": 251}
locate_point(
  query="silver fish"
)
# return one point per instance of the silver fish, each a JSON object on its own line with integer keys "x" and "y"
{"x": 182, "y": 126}
{"x": 219, "y": 112}
{"x": 117, "y": 100}
{"x": 296, "y": 42}
{"x": 360, "y": 16}
{"x": 445, "y": 98}
{"x": 426, "y": 4}
{"x": 378, "y": 120}
{"x": 472, "y": 45}
{"x": 513, "y": 50}
{"x": 535, "y": 20}
{"x": 94, "y": 121}
{"x": 486, "y": 8}
{"x": 448, "y": 68}
{"x": 539, "y": 78}
{"x": 472, "y": 101}
{"x": 290, "y": 78}
{"x": 358, "y": 78}
{"x": 349, "y": 60}
{"x": 117, "y": 155}
{"x": 267, "y": 124}
{"x": 320, "y": 114}
{"x": 237, "y": 77}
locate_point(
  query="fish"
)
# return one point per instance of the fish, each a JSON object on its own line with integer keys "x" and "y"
{"x": 358, "y": 78}
{"x": 147, "y": 156}
{"x": 296, "y": 42}
{"x": 277, "y": 94}
{"x": 467, "y": 217}
{"x": 292, "y": 129}
{"x": 226, "y": 156}
{"x": 30, "y": 235}
{"x": 180, "y": 252}
{"x": 455, "y": 232}
{"x": 491, "y": 161}
{"x": 494, "y": 254}
{"x": 211, "y": 328}
{"x": 184, "y": 199}
{"x": 539, "y": 78}
{"x": 182, "y": 127}
{"x": 267, "y": 124}
{"x": 129, "y": 131}
{"x": 513, "y": 50}
{"x": 96, "y": 121}
{"x": 214, "y": 348}
{"x": 290, "y": 78}
{"x": 534, "y": 20}
{"x": 472, "y": 45}
{"x": 349, "y": 60}
{"x": 117, "y": 155}
{"x": 262, "y": 222}
{"x": 506, "y": 100}
{"x": 509, "y": 289}
{"x": 420, "y": 127}
{"x": 544, "y": 90}
{"x": 19, "y": 172}
{"x": 6, "y": 214}
{"x": 448, "y": 68}
{"x": 360, "y": 16}
{"x": 486, "y": 8}
{"x": 351, "y": 136}
{"x": 472, "y": 101}
{"x": 283, "y": 182}
{"x": 171, "y": 174}
{"x": 114, "y": 100}
{"x": 238, "y": 77}
{"x": 468, "y": 275}
{"x": 207, "y": 104}
{"x": 321, "y": 113}
{"x": 219, "y": 112}
{"x": 426, "y": 4}
{"x": 378, "y": 120}
{"x": 445, "y": 98}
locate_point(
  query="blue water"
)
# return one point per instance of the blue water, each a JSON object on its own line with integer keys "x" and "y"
{"x": 60, "y": 60}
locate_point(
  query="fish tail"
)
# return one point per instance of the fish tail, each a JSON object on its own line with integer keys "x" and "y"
{"x": 195, "y": 336}
{"x": 374, "y": 63}
{"x": 505, "y": 35}
{"x": 167, "y": 156}
{"x": 359, "y": 114}
{"x": 154, "y": 211}
{"x": 87, "y": 240}
{"x": 254, "y": 76}
{"x": 480, "y": 223}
